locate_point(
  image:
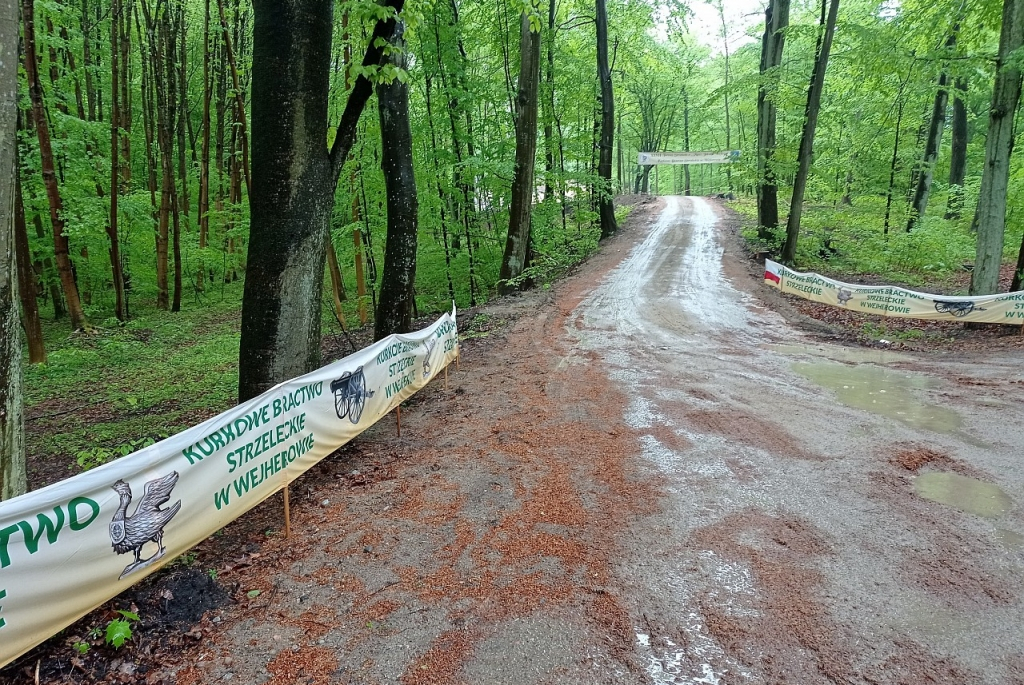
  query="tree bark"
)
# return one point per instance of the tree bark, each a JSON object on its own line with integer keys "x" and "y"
{"x": 772, "y": 44}
{"x": 12, "y": 427}
{"x": 932, "y": 143}
{"x": 60, "y": 241}
{"x": 239, "y": 103}
{"x": 810, "y": 124}
{"x": 293, "y": 182}
{"x": 604, "y": 165}
{"x": 27, "y": 280}
{"x": 204, "y": 158}
{"x": 998, "y": 148}
{"x": 958, "y": 151}
{"x": 117, "y": 276}
{"x": 517, "y": 243}
{"x": 396, "y": 303}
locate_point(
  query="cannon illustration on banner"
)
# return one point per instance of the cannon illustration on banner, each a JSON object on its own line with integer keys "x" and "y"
{"x": 350, "y": 394}
{"x": 956, "y": 308}
{"x": 146, "y": 524}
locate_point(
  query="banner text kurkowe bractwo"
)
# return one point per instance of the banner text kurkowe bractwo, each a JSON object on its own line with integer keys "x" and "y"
{"x": 69, "y": 547}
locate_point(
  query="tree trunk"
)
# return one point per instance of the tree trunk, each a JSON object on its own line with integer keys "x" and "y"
{"x": 958, "y": 152}
{"x": 60, "y": 241}
{"x": 686, "y": 140}
{"x": 239, "y": 102}
{"x": 204, "y": 159}
{"x": 932, "y": 143}
{"x": 117, "y": 275}
{"x": 12, "y": 427}
{"x": 549, "y": 101}
{"x": 27, "y": 280}
{"x": 725, "y": 92}
{"x": 396, "y": 303}
{"x": 604, "y": 165}
{"x": 293, "y": 182}
{"x": 810, "y": 124}
{"x": 516, "y": 245}
{"x": 772, "y": 43}
{"x": 998, "y": 147}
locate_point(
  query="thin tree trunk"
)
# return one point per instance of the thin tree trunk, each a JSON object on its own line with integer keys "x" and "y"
{"x": 604, "y": 166}
{"x": 442, "y": 199}
{"x": 686, "y": 140}
{"x": 549, "y": 103}
{"x": 932, "y": 143}
{"x": 87, "y": 65}
{"x": 998, "y": 148}
{"x": 725, "y": 89}
{"x": 772, "y": 44}
{"x": 27, "y": 281}
{"x": 810, "y": 124}
{"x": 60, "y": 241}
{"x": 204, "y": 160}
{"x": 395, "y": 307}
{"x": 517, "y": 244}
{"x": 239, "y": 102}
{"x": 13, "y": 481}
{"x": 958, "y": 151}
{"x": 115, "y": 172}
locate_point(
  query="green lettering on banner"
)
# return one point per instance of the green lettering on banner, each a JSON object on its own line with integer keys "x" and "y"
{"x": 5, "y": 536}
{"x": 1013, "y": 314}
{"x": 3, "y": 593}
{"x": 51, "y": 529}
{"x": 270, "y": 466}
{"x": 73, "y": 522}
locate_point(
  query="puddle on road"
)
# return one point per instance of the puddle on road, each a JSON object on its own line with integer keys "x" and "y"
{"x": 1009, "y": 539}
{"x": 838, "y": 353}
{"x": 882, "y": 391}
{"x": 966, "y": 494}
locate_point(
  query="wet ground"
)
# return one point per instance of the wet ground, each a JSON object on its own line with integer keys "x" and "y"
{"x": 792, "y": 543}
{"x": 647, "y": 475}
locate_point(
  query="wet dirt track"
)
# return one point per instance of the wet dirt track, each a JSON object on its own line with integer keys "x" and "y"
{"x": 797, "y": 539}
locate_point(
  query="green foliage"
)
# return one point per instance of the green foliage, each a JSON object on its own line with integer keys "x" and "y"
{"x": 119, "y": 630}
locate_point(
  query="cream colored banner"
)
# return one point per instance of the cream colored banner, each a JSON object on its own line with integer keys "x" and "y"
{"x": 894, "y": 301}
{"x": 69, "y": 547}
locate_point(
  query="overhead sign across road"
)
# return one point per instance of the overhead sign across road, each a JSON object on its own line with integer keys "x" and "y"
{"x": 649, "y": 158}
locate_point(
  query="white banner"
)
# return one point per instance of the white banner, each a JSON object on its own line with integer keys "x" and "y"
{"x": 888, "y": 300}
{"x": 649, "y": 158}
{"x": 69, "y": 547}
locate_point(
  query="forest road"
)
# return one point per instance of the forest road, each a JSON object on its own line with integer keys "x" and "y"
{"x": 824, "y": 513}
{"x": 646, "y": 475}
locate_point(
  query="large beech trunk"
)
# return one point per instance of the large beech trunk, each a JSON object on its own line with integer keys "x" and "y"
{"x": 12, "y": 427}
{"x": 293, "y": 181}
{"x": 991, "y": 211}
{"x": 396, "y": 304}
{"x": 772, "y": 43}
{"x": 517, "y": 244}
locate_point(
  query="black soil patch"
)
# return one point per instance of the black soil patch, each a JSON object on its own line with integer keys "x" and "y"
{"x": 177, "y": 599}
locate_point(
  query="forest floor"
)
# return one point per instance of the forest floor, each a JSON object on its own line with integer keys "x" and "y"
{"x": 656, "y": 471}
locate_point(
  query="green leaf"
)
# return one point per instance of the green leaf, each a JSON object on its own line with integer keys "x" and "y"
{"x": 253, "y": 593}
{"x": 119, "y": 631}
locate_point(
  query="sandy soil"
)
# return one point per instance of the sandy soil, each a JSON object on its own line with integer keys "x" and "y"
{"x": 656, "y": 472}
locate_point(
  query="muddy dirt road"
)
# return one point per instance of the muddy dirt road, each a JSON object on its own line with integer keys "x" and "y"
{"x": 825, "y": 513}
{"x": 646, "y": 475}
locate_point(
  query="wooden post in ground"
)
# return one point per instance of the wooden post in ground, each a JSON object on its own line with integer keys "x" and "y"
{"x": 446, "y": 373}
{"x": 287, "y": 515}
{"x": 398, "y": 414}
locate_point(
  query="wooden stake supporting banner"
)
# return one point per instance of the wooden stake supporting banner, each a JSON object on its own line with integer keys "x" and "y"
{"x": 398, "y": 413}
{"x": 445, "y": 377}
{"x": 287, "y": 515}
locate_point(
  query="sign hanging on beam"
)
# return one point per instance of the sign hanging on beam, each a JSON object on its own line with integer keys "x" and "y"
{"x": 650, "y": 158}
